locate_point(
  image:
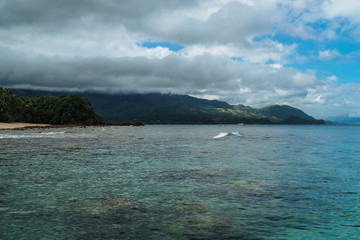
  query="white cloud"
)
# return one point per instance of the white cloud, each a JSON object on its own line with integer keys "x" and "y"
{"x": 158, "y": 52}
{"x": 304, "y": 80}
{"x": 206, "y": 96}
{"x": 244, "y": 90}
{"x": 92, "y": 45}
{"x": 220, "y": 50}
{"x": 342, "y": 8}
{"x": 329, "y": 54}
{"x": 332, "y": 99}
{"x": 331, "y": 79}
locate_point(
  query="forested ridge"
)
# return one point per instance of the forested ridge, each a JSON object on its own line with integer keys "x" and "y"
{"x": 157, "y": 108}
{"x": 72, "y": 109}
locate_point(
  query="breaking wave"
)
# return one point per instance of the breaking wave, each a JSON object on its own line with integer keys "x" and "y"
{"x": 60, "y": 134}
{"x": 225, "y": 134}
{"x": 52, "y": 133}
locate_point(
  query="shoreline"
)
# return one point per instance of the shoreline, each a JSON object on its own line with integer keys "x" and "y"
{"x": 20, "y": 125}
{"x": 23, "y": 126}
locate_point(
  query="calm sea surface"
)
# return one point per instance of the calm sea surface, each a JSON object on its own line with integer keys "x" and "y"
{"x": 179, "y": 182}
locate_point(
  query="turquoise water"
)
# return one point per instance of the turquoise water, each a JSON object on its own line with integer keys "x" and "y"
{"x": 179, "y": 182}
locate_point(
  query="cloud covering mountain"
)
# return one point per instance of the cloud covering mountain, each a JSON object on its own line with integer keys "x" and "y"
{"x": 253, "y": 52}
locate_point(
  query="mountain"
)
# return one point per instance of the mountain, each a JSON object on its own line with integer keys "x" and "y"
{"x": 156, "y": 108}
{"x": 284, "y": 112}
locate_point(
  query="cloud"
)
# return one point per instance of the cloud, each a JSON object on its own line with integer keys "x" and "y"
{"x": 335, "y": 99}
{"x": 47, "y": 14}
{"x": 232, "y": 22}
{"x": 328, "y": 54}
{"x": 343, "y": 8}
{"x": 94, "y": 45}
{"x": 304, "y": 80}
{"x": 174, "y": 73}
{"x": 332, "y": 79}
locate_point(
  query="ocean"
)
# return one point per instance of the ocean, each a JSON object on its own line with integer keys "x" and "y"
{"x": 181, "y": 182}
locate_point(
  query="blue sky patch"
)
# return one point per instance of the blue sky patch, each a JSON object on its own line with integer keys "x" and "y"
{"x": 171, "y": 46}
{"x": 237, "y": 59}
{"x": 339, "y": 56}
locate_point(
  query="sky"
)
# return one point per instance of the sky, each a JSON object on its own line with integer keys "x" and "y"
{"x": 303, "y": 53}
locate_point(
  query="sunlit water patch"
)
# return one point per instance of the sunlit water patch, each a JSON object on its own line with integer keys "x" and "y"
{"x": 181, "y": 182}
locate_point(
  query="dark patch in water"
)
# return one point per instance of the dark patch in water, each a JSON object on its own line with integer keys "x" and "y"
{"x": 199, "y": 174}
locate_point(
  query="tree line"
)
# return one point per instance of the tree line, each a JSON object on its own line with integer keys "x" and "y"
{"x": 72, "y": 109}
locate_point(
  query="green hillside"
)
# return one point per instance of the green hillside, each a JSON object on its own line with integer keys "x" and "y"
{"x": 156, "y": 108}
{"x": 283, "y": 112}
{"x": 72, "y": 109}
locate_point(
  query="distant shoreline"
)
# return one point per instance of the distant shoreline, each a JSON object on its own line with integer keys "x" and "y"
{"x": 24, "y": 126}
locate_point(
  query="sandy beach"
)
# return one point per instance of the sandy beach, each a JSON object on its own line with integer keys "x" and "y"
{"x": 4, "y": 126}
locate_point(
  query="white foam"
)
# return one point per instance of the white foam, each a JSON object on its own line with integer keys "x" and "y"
{"x": 221, "y": 135}
{"x": 61, "y": 134}
{"x": 52, "y": 133}
{"x": 225, "y": 134}
{"x": 237, "y": 134}
{"x": 6, "y": 136}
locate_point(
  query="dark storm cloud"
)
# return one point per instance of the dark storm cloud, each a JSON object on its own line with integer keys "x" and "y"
{"x": 169, "y": 74}
{"x": 96, "y": 45}
{"x": 40, "y": 13}
{"x": 126, "y": 73}
{"x": 232, "y": 23}
{"x": 81, "y": 45}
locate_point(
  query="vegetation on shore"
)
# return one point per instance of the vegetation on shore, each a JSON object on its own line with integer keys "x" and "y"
{"x": 156, "y": 108}
{"x": 47, "y": 109}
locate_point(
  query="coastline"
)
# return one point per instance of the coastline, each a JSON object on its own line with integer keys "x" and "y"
{"x": 19, "y": 125}
{"x": 22, "y": 126}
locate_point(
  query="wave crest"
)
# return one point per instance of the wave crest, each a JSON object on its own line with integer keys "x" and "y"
{"x": 225, "y": 134}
